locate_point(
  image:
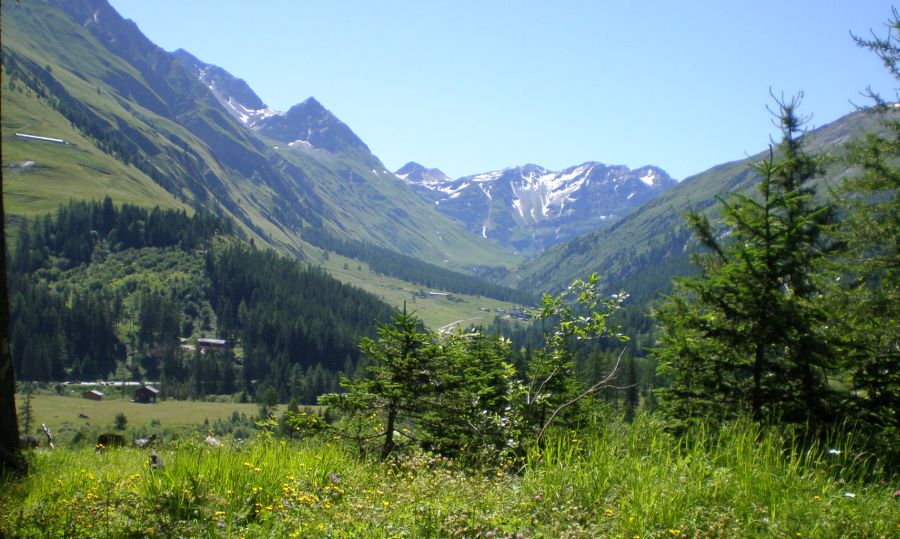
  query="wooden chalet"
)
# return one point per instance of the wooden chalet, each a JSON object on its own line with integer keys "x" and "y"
{"x": 93, "y": 395}
{"x": 146, "y": 394}
{"x": 212, "y": 344}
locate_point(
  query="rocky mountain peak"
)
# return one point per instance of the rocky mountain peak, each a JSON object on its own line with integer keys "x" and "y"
{"x": 415, "y": 173}
{"x": 310, "y": 124}
{"x": 235, "y": 94}
{"x": 530, "y": 207}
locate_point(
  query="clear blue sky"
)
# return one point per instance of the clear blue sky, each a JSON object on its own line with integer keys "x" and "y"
{"x": 471, "y": 86}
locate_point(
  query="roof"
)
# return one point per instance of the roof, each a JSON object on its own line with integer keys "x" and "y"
{"x": 213, "y": 341}
{"x": 150, "y": 389}
{"x": 96, "y": 392}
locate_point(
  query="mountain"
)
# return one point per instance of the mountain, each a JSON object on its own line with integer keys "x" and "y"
{"x": 307, "y": 123}
{"x": 417, "y": 175}
{"x": 652, "y": 244}
{"x": 531, "y": 208}
{"x": 152, "y": 127}
{"x": 233, "y": 93}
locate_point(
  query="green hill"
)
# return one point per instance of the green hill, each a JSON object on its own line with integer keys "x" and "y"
{"x": 143, "y": 129}
{"x": 643, "y": 251}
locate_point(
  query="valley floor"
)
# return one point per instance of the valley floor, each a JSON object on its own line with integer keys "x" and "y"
{"x": 633, "y": 481}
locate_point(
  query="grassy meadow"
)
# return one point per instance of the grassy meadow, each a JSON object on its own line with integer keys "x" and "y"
{"x": 62, "y": 413}
{"x": 633, "y": 481}
{"x": 437, "y": 312}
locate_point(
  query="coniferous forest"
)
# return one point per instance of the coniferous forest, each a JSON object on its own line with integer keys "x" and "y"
{"x": 99, "y": 288}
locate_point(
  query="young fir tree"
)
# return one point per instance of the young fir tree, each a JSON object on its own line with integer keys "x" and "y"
{"x": 474, "y": 411}
{"x": 746, "y": 334}
{"x": 398, "y": 387}
{"x": 868, "y": 297}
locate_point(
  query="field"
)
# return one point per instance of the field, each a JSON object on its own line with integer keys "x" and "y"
{"x": 634, "y": 481}
{"x": 437, "y": 312}
{"x": 61, "y": 413}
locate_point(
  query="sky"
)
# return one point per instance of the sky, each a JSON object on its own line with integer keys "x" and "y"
{"x": 474, "y": 86}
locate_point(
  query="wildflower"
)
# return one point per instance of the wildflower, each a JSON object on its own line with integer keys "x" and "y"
{"x": 834, "y": 451}
{"x": 850, "y": 495}
{"x": 673, "y": 531}
{"x": 608, "y": 512}
{"x": 334, "y": 478}
{"x": 817, "y": 498}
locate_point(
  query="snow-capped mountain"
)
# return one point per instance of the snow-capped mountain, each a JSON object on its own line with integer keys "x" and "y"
{"x": 306, "y": 125}
{"x": 233, "y": 93}
{"x": 531, "y": 208}
{"x": 417, "y": 175}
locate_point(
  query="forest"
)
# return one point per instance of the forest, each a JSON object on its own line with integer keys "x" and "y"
{"x": 101, "y": 291}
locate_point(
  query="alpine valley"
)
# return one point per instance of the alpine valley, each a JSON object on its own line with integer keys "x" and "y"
{"x": 150, "y": 128}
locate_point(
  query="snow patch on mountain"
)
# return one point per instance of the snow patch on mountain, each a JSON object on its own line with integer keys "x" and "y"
{"x": 531, "y": 207}
{"x": 649, "y": 177}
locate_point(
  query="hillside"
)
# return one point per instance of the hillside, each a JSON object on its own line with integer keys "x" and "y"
{"x": 652, "y": 244}
{"x": 148, "y": 127}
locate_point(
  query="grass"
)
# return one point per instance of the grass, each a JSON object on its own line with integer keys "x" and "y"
{"x": 60, "y": 173}
{"x": 62, "y": 412}
{"x": 634, "y": 481}
{"x": 437, "y": 312}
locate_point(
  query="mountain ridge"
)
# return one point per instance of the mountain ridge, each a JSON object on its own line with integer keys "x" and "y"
{"x": 143, "y": 107}
{"x": 529, "y": 207}
{"x": 645, "y": 250}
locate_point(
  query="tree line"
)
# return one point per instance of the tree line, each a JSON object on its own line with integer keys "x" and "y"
{"x": 387, "y": 262}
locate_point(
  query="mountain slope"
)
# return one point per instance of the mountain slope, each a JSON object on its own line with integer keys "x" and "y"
{"x": 643, "y": 251}
{"x": 157, "y": 112}
{"x": 531, "y": 208}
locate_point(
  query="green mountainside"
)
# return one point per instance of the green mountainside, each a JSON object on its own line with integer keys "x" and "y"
{"x": 142, "y": 127}
{"x": 148, "y": 127}
{"x": 652, "y": 244}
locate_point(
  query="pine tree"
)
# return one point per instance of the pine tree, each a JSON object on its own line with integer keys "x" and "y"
{"x": 473, "y": 409}
{"x": 746, "y": 335}
{"x": 400, "y": 376}
{"x": 868, "y": 295}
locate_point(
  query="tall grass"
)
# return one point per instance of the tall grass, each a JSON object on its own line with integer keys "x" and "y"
{"x": 621, "y": 481}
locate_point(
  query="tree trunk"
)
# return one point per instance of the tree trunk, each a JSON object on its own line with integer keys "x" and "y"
{"x": 756, "y": 396}
{"x": 389, "y": 432}
{"x": 9, "y": 425}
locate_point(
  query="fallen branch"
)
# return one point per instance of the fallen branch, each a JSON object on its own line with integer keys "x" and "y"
{"x": 49, "y": 435}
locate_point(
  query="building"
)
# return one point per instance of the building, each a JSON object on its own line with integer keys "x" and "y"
{"x": 93, "y": 395}
{"x": 212, "y": 344}
{"x": 146, "y": 394}
{"x": 36, "y": 138}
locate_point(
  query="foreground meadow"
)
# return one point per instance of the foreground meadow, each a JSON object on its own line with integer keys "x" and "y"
{"x": 632, "y": 481}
